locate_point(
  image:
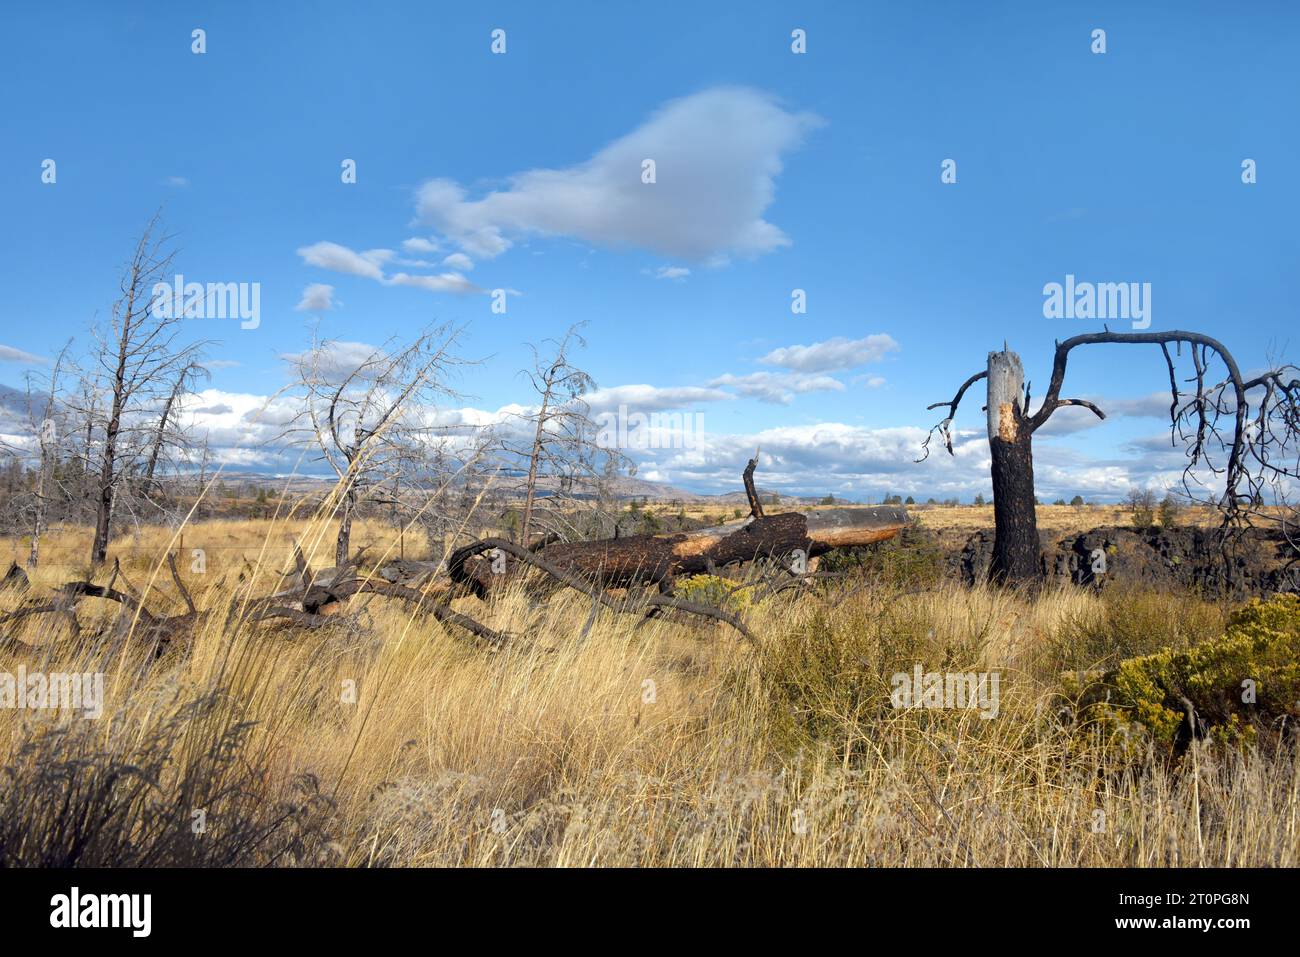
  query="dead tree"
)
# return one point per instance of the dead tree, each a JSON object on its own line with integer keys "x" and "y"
{"x": 555, "y": 443}
{"x": 791, "y": 537}
{"x": 751, "y": 493}
{"x": 315, "y": 599}
{"x": 46, "y": 427}
{"x": 134, "y": 363}
{"x": 165, "y": 434}
{"x": 151, "y": 631}
{"x": 369, "y": 414}
{"x": 1259, "y": 452}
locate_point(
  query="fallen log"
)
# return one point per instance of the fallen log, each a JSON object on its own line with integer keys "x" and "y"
{"x": 657, "y": 559}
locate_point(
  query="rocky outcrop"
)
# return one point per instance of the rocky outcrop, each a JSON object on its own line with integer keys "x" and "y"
{"x": 1196, "y": 559}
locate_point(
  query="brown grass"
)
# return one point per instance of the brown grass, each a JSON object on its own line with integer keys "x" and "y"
{"x": 667, "y": 743}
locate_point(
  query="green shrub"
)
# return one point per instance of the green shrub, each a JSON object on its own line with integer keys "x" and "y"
{"x": 1259, "y": 653}
{"x": 1169, "y": 511}
{"x": 1141, "y": 504}
{"x": 714, "y": 590}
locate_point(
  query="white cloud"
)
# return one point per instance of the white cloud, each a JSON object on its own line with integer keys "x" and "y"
{"x": 648, "y": 398}
{"x": 246, "y": 430}
{"x": 336, "y": 357}
{"x": 180, "y": 182}
{"x": 833, "y": 354}
{"x": 778, "y": 387}
{"x": 1154, "y": 405}
{"x": 459, "y": 261}
{"x": 10, "y": 354}
{"x": 717, "y": 155}
{"x": 671, "y": 272}
{"x": 318, "y": 297}
{"x": 338, "y": 258}
{"x": 444, "y": 282}
{"x": 369, "y": 264}
{"x": 418, "y": 244}
{"x": 1067, "y": 421}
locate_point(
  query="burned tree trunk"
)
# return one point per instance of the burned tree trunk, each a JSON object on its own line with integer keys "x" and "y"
{"x": 1260, "y": 452}
{"x": 657, "y": 559}
{"x": 1015, "y": 542}
{"x": 751, "y": 493}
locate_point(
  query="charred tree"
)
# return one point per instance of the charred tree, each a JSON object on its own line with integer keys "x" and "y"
{"x": 658, "y": 559}
{"x": 1264, "y": 413}
{"x": 1015, "y": 520}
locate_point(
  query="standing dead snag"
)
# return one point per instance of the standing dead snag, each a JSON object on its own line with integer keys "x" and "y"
{"x": 135, "y": 362}
{"x": 751, "y": 493}
{"x": 370, "y": 417}
{"x": 1015, "y": 552}
{"x": 1266, "y": 434}
{"x": 556, "y": 446}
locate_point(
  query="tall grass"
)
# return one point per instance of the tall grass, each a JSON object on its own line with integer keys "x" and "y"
{"x": 597, "y": 739}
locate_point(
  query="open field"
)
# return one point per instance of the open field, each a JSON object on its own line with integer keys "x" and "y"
{"x": 593, "y": 739}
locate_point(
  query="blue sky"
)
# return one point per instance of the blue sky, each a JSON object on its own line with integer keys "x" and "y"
{"x": 775, "y": 171}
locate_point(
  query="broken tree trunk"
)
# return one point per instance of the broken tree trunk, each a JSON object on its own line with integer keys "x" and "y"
{"x": 1015, "y": 540}
{"x": 657, "y": 559}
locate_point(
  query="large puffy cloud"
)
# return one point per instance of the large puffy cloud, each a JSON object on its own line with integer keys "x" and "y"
{"x": 864, "y": 463}
{"x": 248, "y": 431}
{"x": 833, "y": 355}
{"x": 717, "y": 155}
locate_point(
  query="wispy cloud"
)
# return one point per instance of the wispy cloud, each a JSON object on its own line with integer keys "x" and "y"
{"x": 369, "y": 265}
{"x": 10, "y": 354}
{"x": 778, "y": 387}
{"x": 833, "y": 355}
{"x": 671, "y": 272}
{"x": 648, "y": 398}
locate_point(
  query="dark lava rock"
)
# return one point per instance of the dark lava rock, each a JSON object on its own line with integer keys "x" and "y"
{"x": 1193, "y": 559}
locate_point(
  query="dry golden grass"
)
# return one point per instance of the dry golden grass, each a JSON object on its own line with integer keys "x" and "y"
{"x": 1057, "y": 519}
{"x": 591, "y": 739}
{"x": 1051, "y": 518}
